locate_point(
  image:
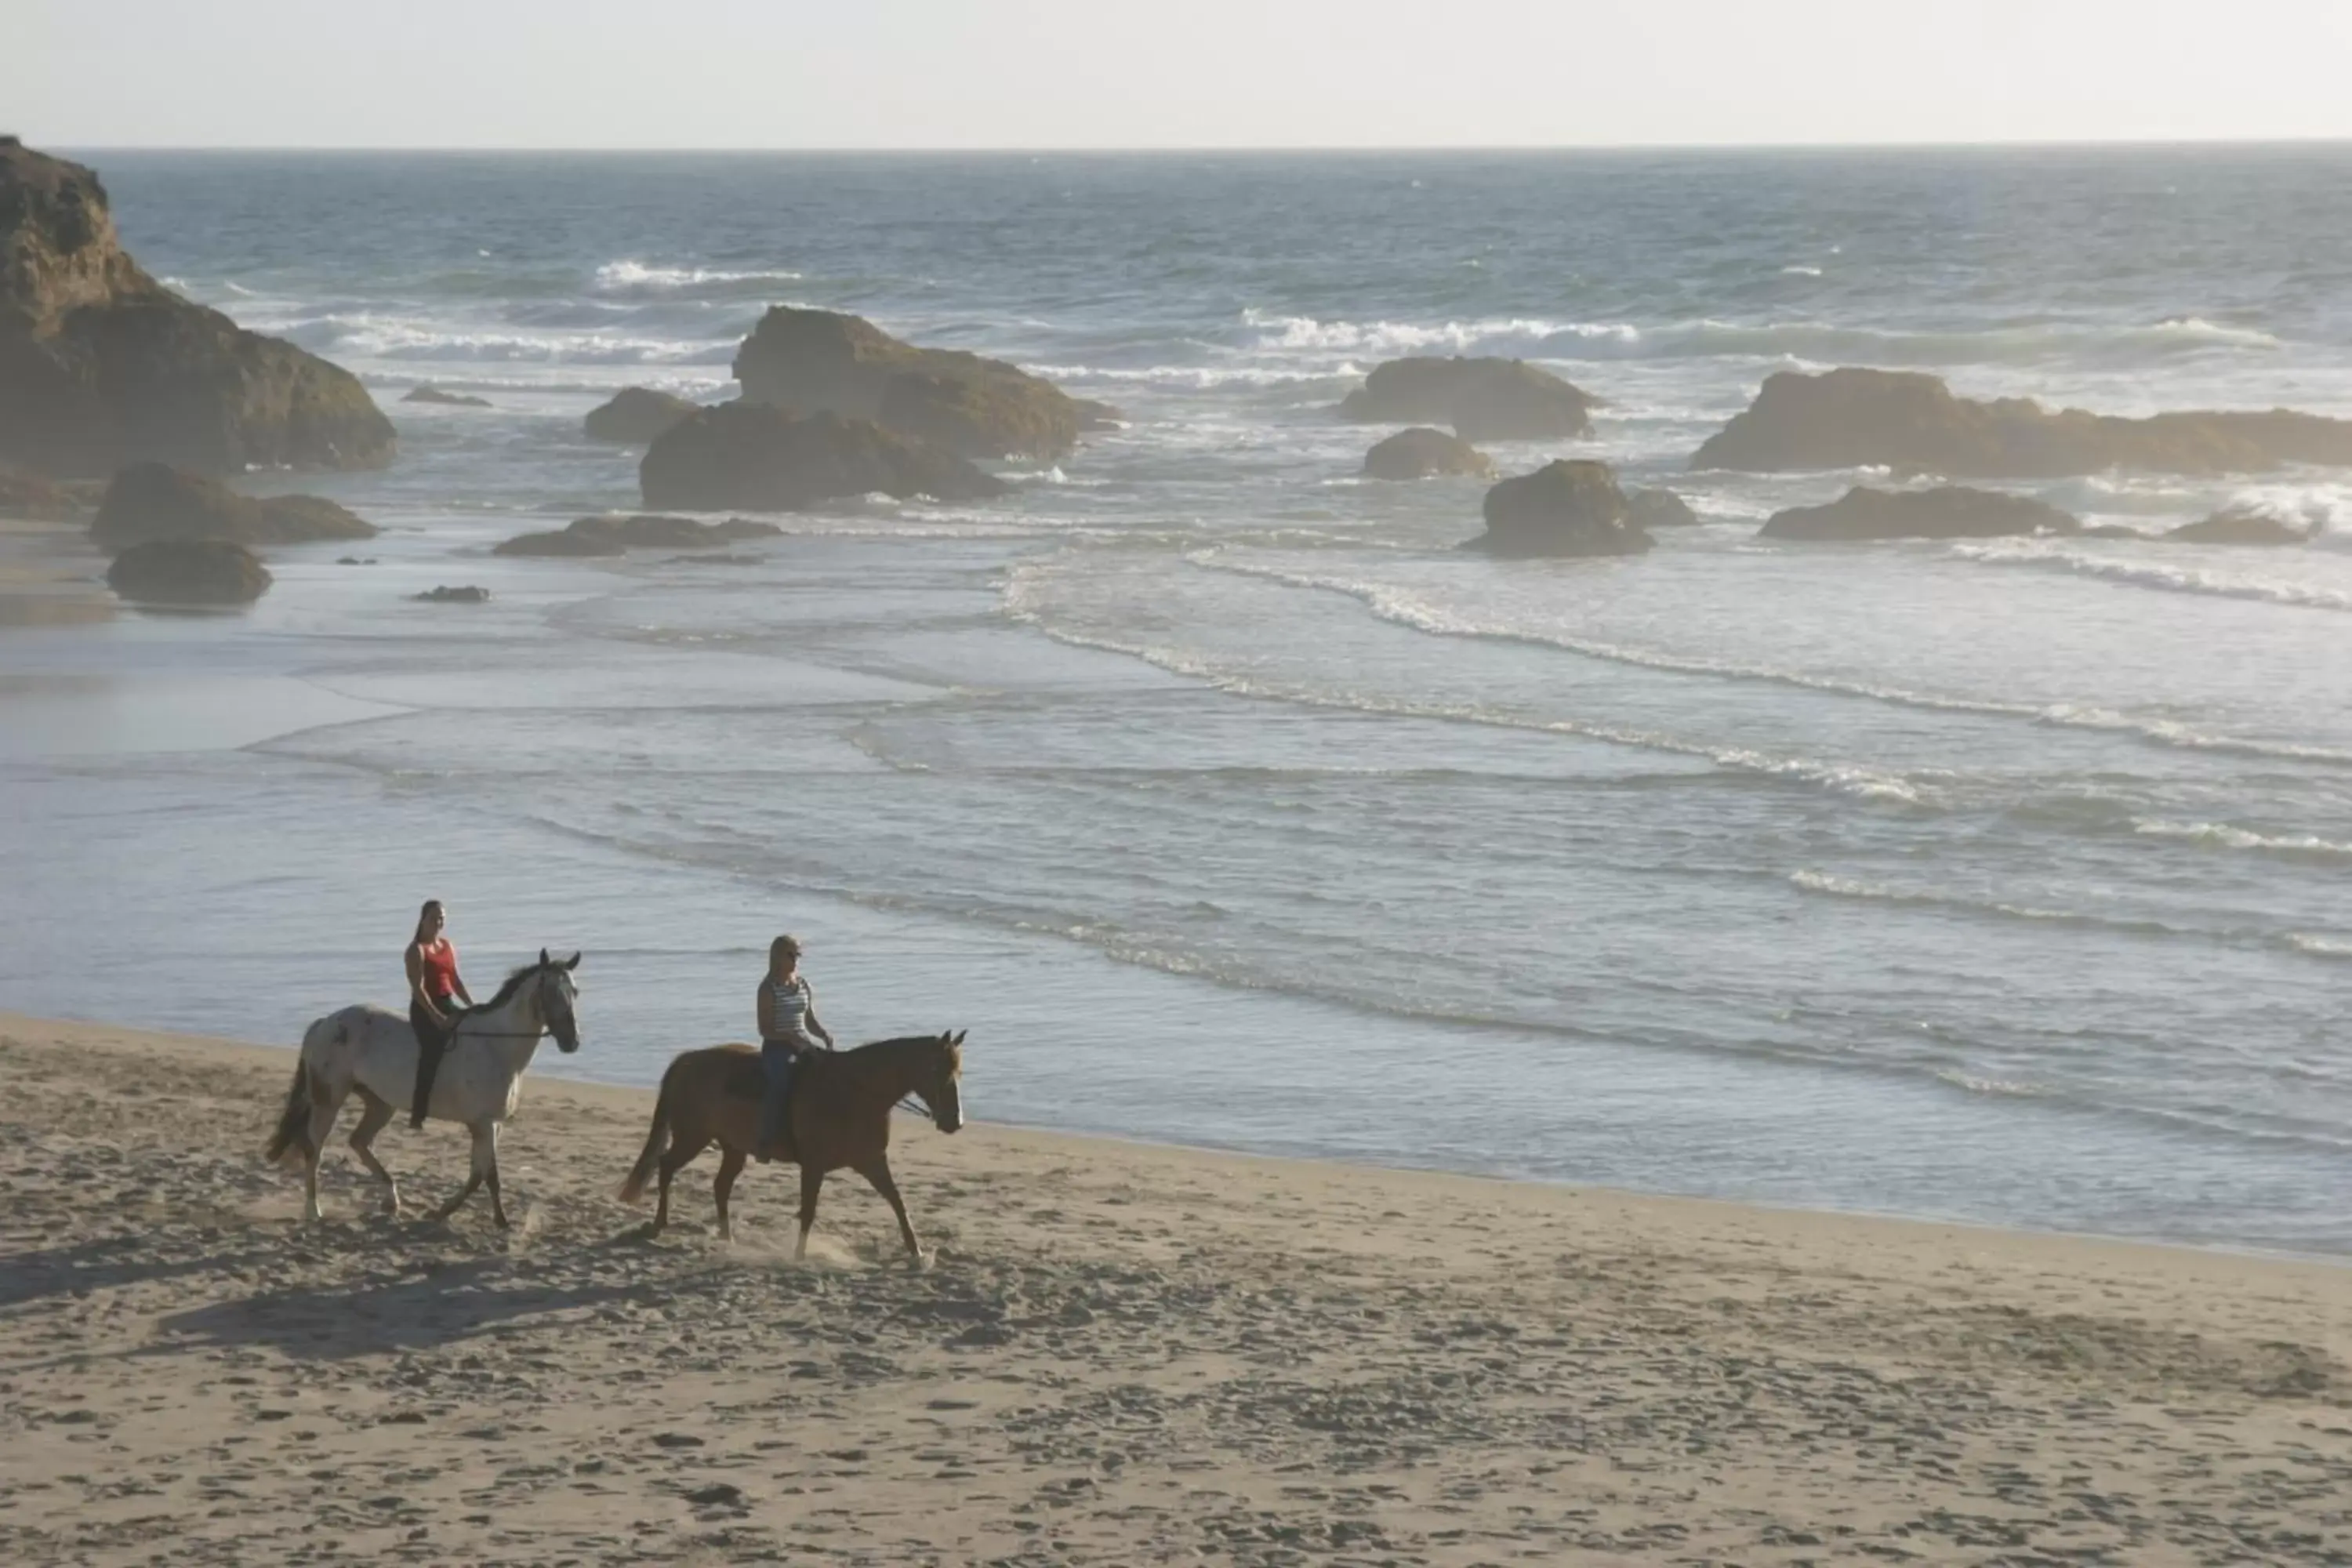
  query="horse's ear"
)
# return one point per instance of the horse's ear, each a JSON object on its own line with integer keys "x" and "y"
{"x": 573, "y": 963}
{"x": 543, "y": 958}
{"x": 959, "y": 1034}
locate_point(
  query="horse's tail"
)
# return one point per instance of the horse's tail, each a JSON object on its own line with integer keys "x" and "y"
{"x": 294, "y": 1126}
{"x": 656, "y": 1138}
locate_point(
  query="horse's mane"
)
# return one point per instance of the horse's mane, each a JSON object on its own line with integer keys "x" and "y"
{"x": 513, "y": 984}
{"x": 904, "y": 1042}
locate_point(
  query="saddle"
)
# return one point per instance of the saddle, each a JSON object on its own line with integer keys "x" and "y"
{"x": 746, "y": 1080}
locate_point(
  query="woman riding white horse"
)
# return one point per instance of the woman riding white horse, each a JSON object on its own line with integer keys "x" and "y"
{"x": 372, "y": 1053}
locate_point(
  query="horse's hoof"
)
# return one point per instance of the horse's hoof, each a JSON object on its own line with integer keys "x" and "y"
{"x": 920, "y": 1262}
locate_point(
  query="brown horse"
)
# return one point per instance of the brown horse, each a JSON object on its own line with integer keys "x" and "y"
{"x": 840, "y": 1116}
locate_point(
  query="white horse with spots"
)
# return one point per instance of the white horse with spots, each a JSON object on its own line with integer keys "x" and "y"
{"x": 372, "y": 1053}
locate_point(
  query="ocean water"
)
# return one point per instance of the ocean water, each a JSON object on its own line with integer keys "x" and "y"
{"x": 1209, "y": 786}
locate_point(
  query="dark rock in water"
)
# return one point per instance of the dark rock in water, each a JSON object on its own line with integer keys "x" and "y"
{"x": 823, "y": 361}
{"x": 747, "y": 454}
{"x": 2110, "y": 530}
{"x": 433, "y": 395}
{"x": 188, "y": 572}
{"x": 988, "y": 418}
{"x": 149, "y": 501}
{"x": 560, "y": 541}
{"x": 1565, "y": 508}
{"x": 1952, "y": 511}
{"x": 616, "y": 535}
{"x": 1660, "y": 509}
{"x": 1423, "y": 453}
{"x": 2242, "y": 525}
{"x": 1910, "y": 421}
{"x": 466, "y": 596}
{"x": 101, "y": 365}
{"x": 635, "y": 415}
{"x": 1483, "y": 399}
{"x": 354, "y": 561}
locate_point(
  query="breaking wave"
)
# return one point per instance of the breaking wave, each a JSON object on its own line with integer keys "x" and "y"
{"x": 2156, "y": 575}
{"x": 1824, "y": 341}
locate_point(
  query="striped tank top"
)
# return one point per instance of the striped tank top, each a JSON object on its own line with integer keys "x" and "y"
{"x": 790, "y": 1004}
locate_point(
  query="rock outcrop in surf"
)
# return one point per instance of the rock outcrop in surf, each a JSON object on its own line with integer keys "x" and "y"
{"x": 617, "y": 535}
{"x": 149, "y": 502}
{"x": 1950, "y": 511}
{"x": 1566, "y": 508}
{"x": 1423, "y": 453}
{"x": 1660, "y": 509}
{"x": 758, "y": 456}
{"x": 824, "y": 361}
{"x": 1911, "y": 423}
{"x": 188, "y": 572}
{"x": 636, "y": 417}
{"x": 1482, "y": 399}
{"x": 101, "y": 365}
{"x": 438, "y": 398}
{"x": 2242, "y": 525}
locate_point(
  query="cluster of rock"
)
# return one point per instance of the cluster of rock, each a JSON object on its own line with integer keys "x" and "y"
{"x": 617, "y": 535}
{"x": 636, "y": 417}
{"x": 150, "y": 501}
{"x": 436, "y": 396}
{"x": 761, "y": 457}
{"x": 1912, "y": 423}
{"x": 1575, "y": 506}
{"x": 188, "y": 572}
{"x": 183, "y": 539}
{"x": 468, "y": 595}
{"x": 1421, "y": 453}
{"x": 1948, "y": 511}
{"x": 812, "y": 362}
{"x": 101, "y": 365}
{"x": 1482, "y": 399}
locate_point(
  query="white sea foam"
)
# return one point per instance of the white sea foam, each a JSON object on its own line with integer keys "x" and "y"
{"x": 1023, "y": 603}
{"x": 1811, "y": 340}
{"x": 2320, "y": 946}
{"x": 2222, "y": 834}
{"x": 2159, "y": 576}
{"x": 1405, "y": 607}
{"x": 628, "y": 275}
{"x": 1191, "y": 377}
{"x": 1800, "y": 272}
{"x": 365, "y": 335}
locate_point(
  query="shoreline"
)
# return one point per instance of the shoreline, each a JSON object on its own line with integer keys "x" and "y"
{"x": 638, "y": 1098}
{"x": 1123, "y": 1353}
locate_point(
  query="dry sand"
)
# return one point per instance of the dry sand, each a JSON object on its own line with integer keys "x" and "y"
{"x": 1125, "y": 1354}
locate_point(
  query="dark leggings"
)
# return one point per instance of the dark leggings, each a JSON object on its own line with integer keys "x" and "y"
{"x": 431, "y": 1041}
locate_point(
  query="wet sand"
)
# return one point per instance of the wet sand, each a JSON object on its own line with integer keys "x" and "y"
{"x": 1122, "y": 1354}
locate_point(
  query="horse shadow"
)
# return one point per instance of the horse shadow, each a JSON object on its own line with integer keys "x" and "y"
{"x": 109, "y": 1263}
{"x": 447, "y": 1305}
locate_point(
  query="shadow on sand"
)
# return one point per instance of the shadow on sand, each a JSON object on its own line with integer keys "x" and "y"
{"x": 443, "y": 1305}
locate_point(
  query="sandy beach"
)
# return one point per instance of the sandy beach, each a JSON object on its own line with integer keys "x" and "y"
{"x": 1122, "y": 1354}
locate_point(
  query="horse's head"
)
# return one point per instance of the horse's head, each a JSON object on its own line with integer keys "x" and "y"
{"x": 557, "y": 999}
{"x": 941, "y": 1090}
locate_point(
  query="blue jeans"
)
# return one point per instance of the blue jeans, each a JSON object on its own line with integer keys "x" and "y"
{"x": 778, "y": 1056}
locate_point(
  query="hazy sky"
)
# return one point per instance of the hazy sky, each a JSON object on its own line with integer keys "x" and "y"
{"x": 1188, "y": 73}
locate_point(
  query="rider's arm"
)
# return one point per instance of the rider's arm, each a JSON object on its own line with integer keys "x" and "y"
{"x": 819, "y": 1030}
{"x": 415, "y": 963}
{"x": 457, "y": 983}
{"x": 767, "y": 1013}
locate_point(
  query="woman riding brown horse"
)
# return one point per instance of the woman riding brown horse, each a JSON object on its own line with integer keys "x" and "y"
{"x": 840, "y": 1117}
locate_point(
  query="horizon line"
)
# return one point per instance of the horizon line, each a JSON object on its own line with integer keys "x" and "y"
{"x": 1253, "y": 149}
